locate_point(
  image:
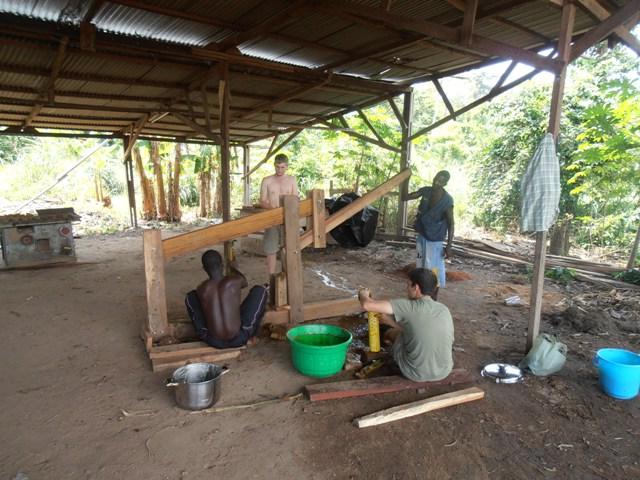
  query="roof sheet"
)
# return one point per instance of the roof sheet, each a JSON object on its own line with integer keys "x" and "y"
{"x": 290, "y": 63}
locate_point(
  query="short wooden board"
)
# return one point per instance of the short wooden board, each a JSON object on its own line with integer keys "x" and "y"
{"x": 158, "y": 365}
{"x": 373, "y": 386}
{"x": 421, "y": 406}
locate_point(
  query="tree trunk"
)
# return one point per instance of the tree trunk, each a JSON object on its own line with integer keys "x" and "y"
{"x": 559, "y": 244}
{"x": 176, "y": 214}
{"x": 149, "y": 211}
{"x": 216, "y": 174}
{"x": 157, "y": 169}
{"x": 634, "y": 250}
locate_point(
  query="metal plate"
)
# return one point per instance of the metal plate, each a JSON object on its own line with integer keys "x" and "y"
{"x": 502, "y": 373}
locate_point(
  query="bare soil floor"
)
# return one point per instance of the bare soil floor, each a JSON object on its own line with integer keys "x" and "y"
{"x": 79, "y": 400}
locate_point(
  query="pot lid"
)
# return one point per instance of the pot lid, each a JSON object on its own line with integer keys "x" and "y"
{"x": 502, "y": 373}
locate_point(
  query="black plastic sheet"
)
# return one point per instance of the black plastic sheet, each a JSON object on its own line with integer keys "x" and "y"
{"x": 357, "y": 231}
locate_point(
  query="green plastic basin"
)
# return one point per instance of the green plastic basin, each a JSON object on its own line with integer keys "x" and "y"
{"x": 319, "y": 350}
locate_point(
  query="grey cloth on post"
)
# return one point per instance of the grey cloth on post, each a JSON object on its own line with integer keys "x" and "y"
{"x": 540, "y": 188}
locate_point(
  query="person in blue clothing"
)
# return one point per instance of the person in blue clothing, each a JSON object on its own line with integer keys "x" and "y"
{"x": 434, "y": 223}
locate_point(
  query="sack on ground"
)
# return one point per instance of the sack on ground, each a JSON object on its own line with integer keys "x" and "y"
{"x": 547, "y": 356}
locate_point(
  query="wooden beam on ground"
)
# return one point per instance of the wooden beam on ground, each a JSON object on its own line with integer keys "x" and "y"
{"x": 157, "y": 322}
{"x": 179, "y": 351}
{"x": 605, "y": 28}
{"x": 293, "y": 258}
{"x": 318, "y": 218}
{"x": 315, "y": 311}
{"x": 377, "y": 385}
{"x": 421, "y": 406}
{"x": 354, "y": 207}
{"x": 215, "y": 234}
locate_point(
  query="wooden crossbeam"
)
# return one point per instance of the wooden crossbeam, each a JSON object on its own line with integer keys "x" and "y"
{"x": 315, "y": 311}
{"x": 196, "y": 127}
{"x": 217, "y": 234}
{"x": 366, "y": 121}
{"x": 272, "y": 151}
{"x": 347, "y": 129}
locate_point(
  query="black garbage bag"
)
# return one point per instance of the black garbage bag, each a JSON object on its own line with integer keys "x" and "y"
{"x": 358, "y": 230}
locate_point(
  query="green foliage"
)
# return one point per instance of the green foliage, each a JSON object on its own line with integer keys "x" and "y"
{"x": 12, "y": 148}
{"x": 630, "y": 276}
{"x": 561, "y": 274}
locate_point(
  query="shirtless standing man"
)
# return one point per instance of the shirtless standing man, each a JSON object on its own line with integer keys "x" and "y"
{"x": 215, "y": 309}
{"x": 272, "y": 188}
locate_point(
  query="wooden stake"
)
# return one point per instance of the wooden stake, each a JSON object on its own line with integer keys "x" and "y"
{"x": 419, "y": 407}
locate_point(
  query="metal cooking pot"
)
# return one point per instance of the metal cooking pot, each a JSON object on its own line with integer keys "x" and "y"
{"x": 197, "y": 385}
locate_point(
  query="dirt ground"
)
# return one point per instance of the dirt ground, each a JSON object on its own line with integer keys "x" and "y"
{"x": 80, "y": 401}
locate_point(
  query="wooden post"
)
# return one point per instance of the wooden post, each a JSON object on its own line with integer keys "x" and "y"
{"x": 634, "y": 250}
{"x": 278, "y": 285}
{"x": 131, "y": 191}
{"x": 405, "y": 160}
{"x": 246, "y": 178}
{"x": 319, "y": 231}
{"x": 157, "y": 322}
{"x": 537, "y": 283}
{"x": 224, "y": 96}
{"x": 293, "y": 257}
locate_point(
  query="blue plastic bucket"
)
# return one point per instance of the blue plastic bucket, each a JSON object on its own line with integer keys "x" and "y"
{"x": 619, "y": 372}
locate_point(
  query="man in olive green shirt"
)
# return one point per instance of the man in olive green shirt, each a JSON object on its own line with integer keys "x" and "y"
{"x": 422, "y": 328}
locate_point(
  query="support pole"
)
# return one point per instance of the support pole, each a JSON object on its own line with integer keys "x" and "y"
{"x": 317, "y": 218}
{"x": 225, "y": 154}
{"x": 537, "y": 283}
{"x": 131, "y": 190}
{"x": 405, "y": 159}
{"x": 246, "y": 179}
{"x": 293, "y": 258}
{"x": 634, "y": 250}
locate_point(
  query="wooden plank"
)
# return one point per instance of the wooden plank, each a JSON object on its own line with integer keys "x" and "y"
{"x": 537, "y": 287}
{"x": 318, "y": 216}
{"x": 157, "y": 322}
{"x": 468, "y": 22}
{"x": 159, "y": 365}
{"x": 315, "y": 310}
{"x": 187, "y": 354}
{"x": 293, "y": 257}
{"x": 374, "y": 386}
{"x": 601, "y": 13}
{"x": 216, "y": 234}
{"x": 278, "y": 286}
{"x": 179, "y": 346}
{"x": 345, "y": 213}
{"x": 421, "y": 406}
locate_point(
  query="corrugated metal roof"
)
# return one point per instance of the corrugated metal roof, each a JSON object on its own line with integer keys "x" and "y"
{"x": 142, "y": 59}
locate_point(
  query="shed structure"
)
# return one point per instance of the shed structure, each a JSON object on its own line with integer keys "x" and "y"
{"x": 233, "y": 73}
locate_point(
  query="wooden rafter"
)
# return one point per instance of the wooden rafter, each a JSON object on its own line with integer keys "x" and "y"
{"x": 468, "y": 22}
{"x": 286, "y": 15}
{"x": 437, "y": 31}
{"x": 444, "y": 97}
{"x": 135, "y": 134}
{"x": 366, "y": 121}
{"x": 359, "y": 136}
{"x": 536, "y": 36}
{"x": 504, "y": 76}
{"x": 605, "y": 28}
{"x": 273, "y": 151}
{"x": 397, "y": 113}
{"x": 196, "y": 127}
{"x": 601, "y": 13}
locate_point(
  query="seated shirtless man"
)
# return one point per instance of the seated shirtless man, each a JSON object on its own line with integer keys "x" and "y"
{"x": 215, "y": 309}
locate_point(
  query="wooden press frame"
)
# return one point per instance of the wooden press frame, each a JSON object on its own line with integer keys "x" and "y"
{"x": 158, "y": 251}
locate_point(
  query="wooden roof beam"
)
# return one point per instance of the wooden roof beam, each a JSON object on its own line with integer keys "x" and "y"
{"x": 444, "y": 97}
{"x": 605, "y": 28}
{"x": 288, "y": 14}
{"x": 601, "y": 13}
{"x": 468, "y": 22}
{"x": 536, "y": 36}
{"x": 171, "y": 12}
{"x": 196, "y": 127}
{"x": 434, "y": 30}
